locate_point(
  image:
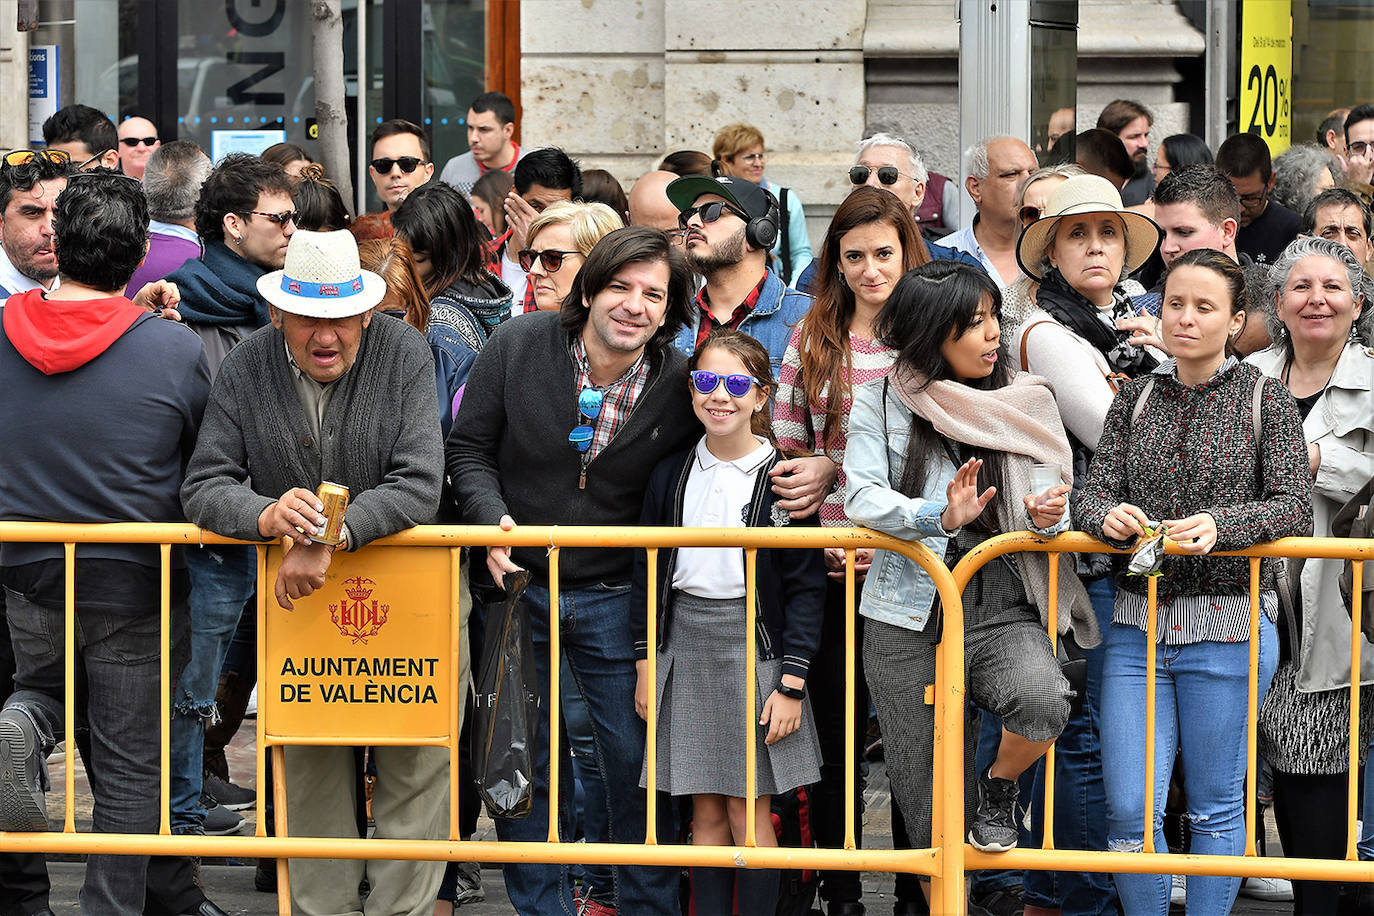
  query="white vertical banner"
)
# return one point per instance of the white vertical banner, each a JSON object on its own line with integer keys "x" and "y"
{"x": 44, "y": 89}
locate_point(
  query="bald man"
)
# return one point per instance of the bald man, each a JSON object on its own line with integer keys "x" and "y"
{"x": 650, "y": 206}
{"x": 137, "y": 140}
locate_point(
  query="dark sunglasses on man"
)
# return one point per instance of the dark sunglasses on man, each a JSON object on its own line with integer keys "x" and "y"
{"x": 887, "y": 174}
{"x": 709, "y": 213}
{"x": 281, "y": 219}
{"x": 384, "y": 164}
{"x": 551, "y": 258}
{"x": 131, "y": 142}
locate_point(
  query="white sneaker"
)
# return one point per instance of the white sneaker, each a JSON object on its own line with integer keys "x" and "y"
{"x": 251, "y": 712}
{"x": 1178, "y": 894}
{"x": 1278, "y": 890}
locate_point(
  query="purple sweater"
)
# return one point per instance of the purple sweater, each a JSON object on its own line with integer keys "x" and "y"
{"x": 166, "y": 253}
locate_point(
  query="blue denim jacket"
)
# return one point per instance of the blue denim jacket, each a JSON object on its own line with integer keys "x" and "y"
{"x": 770, "y": 323}
{"x": 897, "y": 591}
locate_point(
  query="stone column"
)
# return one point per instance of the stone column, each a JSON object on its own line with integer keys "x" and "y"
{"x": 14, "y": 79}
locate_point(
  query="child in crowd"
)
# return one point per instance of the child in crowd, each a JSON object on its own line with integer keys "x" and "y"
{"x": 723, "y": 482}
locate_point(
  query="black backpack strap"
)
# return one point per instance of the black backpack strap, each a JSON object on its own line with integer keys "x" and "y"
{"x": 784, "y": 239}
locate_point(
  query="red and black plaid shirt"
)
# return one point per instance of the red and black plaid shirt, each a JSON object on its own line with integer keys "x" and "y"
{"x": 618, "y": 398}
{"x": 708, "y": 321}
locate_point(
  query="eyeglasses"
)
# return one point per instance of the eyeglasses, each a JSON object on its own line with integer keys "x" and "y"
{"x": 752, "y": 157}
{"x": 589, "y": 402}
{"x": 25, "y": 156}
{"x": 131, "y": 142}
{"x": 281, "y": 219}
{"x": 408, "y": 164}
{"x": 1030, "y": 213}
{"x": 736, "y": 385}
{"x": 709, "y": 213}
{"x": 887, "y": 174}
{"x": 1251, "y": 200}
{"x": 96, "y": 158}
{"x": 1359, "y": 147}
{"x": 551, "y": 258}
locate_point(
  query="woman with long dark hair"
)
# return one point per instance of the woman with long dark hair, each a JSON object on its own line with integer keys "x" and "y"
{"x": 941, "y": 451}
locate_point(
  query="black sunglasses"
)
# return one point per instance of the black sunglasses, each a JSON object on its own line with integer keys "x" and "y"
{"x": 408, "y": 164}
{"x": 131, "y": 142}
{"x": 709, "y": 213}
{"x": 281, "y": 219}
{"x": 551, "y": 258}
{"x": 887, "y": 174}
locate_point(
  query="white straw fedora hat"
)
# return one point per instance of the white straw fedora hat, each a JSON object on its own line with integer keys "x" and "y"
{"x": 322, "y": 277}
{"x": 1086, "y": 194}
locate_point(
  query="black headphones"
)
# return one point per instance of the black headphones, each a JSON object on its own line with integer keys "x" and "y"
{"x": 761, "y": 232}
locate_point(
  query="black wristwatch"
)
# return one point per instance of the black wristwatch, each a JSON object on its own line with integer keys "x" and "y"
{"x": 792, "y": 693}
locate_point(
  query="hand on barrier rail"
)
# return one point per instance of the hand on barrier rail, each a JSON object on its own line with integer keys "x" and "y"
{"x": 498, "y": 558}
{"x": 1046, "y": 509}
{"x": 782, "y": 714}
{"x": 296, "y": 516}
{"x": 302, "y": 572}
{"x": 964, "y": 502}
{"x": 834, "y": 562}
{"x": 1124, "y": 522}
{"x": 803, "y": 483}
{"x": 1195, "y": 534}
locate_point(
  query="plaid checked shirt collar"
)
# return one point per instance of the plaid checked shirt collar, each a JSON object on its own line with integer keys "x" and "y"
{"x": 618, "y": 398}
{"x": 708, "y": 321}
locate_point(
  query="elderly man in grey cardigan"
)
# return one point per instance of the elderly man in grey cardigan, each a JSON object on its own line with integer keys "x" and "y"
{"x": 331, "y": 391}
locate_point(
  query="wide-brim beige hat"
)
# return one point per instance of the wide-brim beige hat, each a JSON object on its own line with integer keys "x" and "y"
{"x": 1086, "y": 194}
{"x": 322, "y": 277}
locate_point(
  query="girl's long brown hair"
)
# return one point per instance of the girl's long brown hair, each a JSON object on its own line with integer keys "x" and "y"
{"x": 755, "y": 358}
{"x": 392, "y": 259}
{"x": 824, "y": 338}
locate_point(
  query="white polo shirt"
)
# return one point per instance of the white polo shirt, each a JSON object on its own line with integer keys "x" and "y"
{"x": 717, "y": 496}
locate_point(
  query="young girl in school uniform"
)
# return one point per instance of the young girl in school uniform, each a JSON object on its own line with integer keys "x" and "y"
{"x": 723, "y": 482}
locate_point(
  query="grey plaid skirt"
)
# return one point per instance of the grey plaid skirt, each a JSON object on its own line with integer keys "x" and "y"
{"x": 701, "y": 709}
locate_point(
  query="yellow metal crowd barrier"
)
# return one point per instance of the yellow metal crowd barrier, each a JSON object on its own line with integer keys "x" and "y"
{"x": 944, "y": 863}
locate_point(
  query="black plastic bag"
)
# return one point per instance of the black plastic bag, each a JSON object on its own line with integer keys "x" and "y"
{"x": 507, "y": 708}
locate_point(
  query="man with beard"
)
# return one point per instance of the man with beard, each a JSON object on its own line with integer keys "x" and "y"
{"x": 28, "y": 196}
{"x": 728, "y": 227}
{"x": 1131, "y": 121}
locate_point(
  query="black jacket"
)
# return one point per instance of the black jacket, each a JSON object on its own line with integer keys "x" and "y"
{"x": 790, "y": 583}
{"x": 508, "y": 451}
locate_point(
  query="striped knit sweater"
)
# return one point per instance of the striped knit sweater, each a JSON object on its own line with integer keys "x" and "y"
{"x": 798, "y": 425}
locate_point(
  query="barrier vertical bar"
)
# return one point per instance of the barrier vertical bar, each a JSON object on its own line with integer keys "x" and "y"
{"x": 1353, "y": 773}
{"x": 69, "y": 686}
{"x": 165, "y": 680}
{"x": 947, "y": 887}
{"x": 555, "y": 683}
{"x": 1152, "y": 654}
{"x": 283, "y": 828}
{"x": 267, "y": 679}
{"x": 849, "y": 690}
{"x": 651, "y": 721}
{"x": 751, "y": 556}
{"x": 1047, "y": 840}
{"x": 1252, "y": 710}
{"x": 457, "y": 691}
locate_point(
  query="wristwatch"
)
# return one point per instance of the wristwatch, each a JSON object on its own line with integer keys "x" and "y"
{"x": 792, "y": 693}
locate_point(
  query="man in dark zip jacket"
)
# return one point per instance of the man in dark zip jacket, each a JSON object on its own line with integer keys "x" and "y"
{"x": 564, "y": 417}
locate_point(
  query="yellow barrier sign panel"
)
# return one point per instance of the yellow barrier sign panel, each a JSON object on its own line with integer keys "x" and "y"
{"x": 368, "y": 657}
{"x": 1266, "y": 72}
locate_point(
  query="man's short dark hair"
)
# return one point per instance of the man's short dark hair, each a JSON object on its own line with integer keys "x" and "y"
{"x": 23, "y": 177}
{"x": 1100, "y": 152}
{"x": 1243, "y": 155}
{"x": 1336, "y": 197}
{"x": 1121, "y": 112}
{"x": 1203, "y": 185}
{"x": 397, "y": 126}
{"x": 498, "y": 104}
{"x": 172, "y": 180}
{"x": 633, "y": 245}
{"x": 81, "y": 123}
{"x": 549, "y": 167}
{"x": 1333, "y": 122}
{"x": 101, "y": 227}
{"x": 1362, "y": 112}
{"x": 234, "y": 187}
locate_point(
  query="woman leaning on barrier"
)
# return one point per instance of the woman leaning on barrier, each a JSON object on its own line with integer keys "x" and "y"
{"x": 917, "y": 442}
{"x": 1209, "y": 447}
{"x": 1321, "y": 326}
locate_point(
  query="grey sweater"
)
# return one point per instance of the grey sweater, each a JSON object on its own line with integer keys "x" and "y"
{"x": 379, "y": 437}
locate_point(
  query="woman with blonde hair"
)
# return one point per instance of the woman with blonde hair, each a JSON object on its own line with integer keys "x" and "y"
{"x": 738, "y": 152}
{"x": 559, "y": 241}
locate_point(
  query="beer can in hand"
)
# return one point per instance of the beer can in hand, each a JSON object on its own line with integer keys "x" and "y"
{"x": 334, "y": 498}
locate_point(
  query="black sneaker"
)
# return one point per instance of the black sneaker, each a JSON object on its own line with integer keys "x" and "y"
{"x": 226, "y": 794}
{"x": 219, "y": 820}
{"x": 23, "y": 807}
{"x": 1002, "y": 902}
{"x": 994, "y": 825}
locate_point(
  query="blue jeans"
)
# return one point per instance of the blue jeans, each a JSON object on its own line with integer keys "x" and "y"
{"x": 1366, "y": 844}
{"x": 591, "y": 807}
{"x": 120, "y": 654}
{"x": 222, "y": 580}
{"x": 1201, "y": 712}
{"x": 595, "y": 633}
{"x": 1080, "y": 800}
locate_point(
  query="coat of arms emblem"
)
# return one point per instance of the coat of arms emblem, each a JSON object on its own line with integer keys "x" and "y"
{"x": 356, "y": 616}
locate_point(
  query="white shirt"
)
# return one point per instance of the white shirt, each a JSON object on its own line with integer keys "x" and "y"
{"x": 964, "y": 240}
{"x": 15, "y": 282}
{"x": 717, "y": 496}
{"x": 173, "y": 229}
